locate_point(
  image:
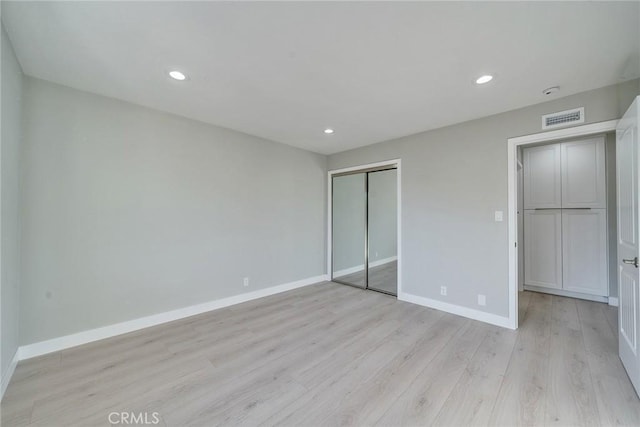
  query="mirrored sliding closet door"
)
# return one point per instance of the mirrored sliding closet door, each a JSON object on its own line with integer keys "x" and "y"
{"x": 364, "y": 230}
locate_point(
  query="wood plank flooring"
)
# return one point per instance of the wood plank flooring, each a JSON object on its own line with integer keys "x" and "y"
{"x": 330, "y": 354}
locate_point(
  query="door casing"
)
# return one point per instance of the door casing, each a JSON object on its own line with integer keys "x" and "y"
{"x": 512, "y": 198}
{"x": 366, "y": 168}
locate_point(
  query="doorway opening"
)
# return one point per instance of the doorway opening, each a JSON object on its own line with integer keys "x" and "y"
{"x": 364, "y": 227}
{"x": 577, "y": 216}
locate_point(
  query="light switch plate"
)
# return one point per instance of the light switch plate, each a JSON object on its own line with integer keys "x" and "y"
{"x": 498, "y": 216}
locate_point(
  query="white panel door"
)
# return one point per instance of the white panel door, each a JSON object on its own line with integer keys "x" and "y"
{"x": 543, "y": 248}
{"x": 584, "y": 251}
{"x": 542, "y": 177}
{"x": 583, "y": 174}
{"x": 628, "y": 278}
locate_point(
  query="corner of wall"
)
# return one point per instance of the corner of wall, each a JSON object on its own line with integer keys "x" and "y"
{"x": 84, "y": 337}
{"x": 627, "y": 92}
{"x": 11, "y": 94}
{"x": 6, "y": 376}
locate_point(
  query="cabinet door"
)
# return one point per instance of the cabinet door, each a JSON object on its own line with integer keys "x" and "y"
{"x": 542, "y": 177}
{"x": 583, "y": 174}
{"x": 543, "y": 248}
{"x": 584, "y": 251}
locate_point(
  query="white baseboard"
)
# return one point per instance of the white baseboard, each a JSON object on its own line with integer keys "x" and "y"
{"x": 73, "y": 340}
{"x": 469, "y": 313}
{"x": 563, "y": 293}
{"x": 6, "y": 378}
{"x": 360, "y": 267}
{"x": 613, "y": 301}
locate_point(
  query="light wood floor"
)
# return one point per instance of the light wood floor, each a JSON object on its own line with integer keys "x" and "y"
{"x": 331, "y": 354}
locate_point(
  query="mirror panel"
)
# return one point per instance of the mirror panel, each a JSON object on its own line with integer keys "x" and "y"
{"x": 349, "y": 229}
{"x": 383, "y": 228}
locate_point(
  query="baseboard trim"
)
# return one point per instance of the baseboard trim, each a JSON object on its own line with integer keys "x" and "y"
{"x": 469, "y": 313}
{"x": 56, "y": 344}
{"x": 6, "y": 378}
{"x": 563, "y": 293}
{"x": 613, "y": 301}
{"x": 360, "y": 267}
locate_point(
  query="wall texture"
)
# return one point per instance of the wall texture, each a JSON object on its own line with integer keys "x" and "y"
{"x": 129, "y": 212}
{"x": 453, "y": 179}
{"x": 10, "y": 191}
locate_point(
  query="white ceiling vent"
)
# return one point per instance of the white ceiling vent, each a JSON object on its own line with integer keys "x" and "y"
{"x": 563, "y": 118}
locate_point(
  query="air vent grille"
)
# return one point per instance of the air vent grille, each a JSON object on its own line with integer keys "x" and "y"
{"x": 563, "y": 118}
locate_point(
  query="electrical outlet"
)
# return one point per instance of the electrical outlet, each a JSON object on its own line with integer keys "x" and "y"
{"x": 246, "y": 281}
{"x": 443, "y": 290}
{"x": 482, "y": 300}
{"x": 497, "y": 216}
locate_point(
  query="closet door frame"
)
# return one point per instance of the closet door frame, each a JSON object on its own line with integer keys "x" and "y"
{"x": 511, "y": 321}
{"x": 371, "y": 167}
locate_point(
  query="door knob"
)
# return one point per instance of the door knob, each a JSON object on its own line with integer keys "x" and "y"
{"x": 631, "y": 261}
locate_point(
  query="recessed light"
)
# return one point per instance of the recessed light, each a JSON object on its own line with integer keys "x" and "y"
{"x": 177, "y": 75}
{"x": 328, "y": 131}
{"x": 484, "y": 79}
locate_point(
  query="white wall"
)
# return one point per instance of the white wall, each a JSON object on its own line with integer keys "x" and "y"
{"x": 453, "y": 179}
{"x": 129, "y": 212}
{"x": 9, "y": 216}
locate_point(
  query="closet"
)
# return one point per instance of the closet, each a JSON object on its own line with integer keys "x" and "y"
{"x": 565, "y": 219}
{"x": 364, "y": 228}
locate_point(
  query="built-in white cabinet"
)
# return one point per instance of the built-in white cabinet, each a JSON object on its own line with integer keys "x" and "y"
{"x": 543, "y": 254}
{"x": 583, "y": 174}
{"x": 565, "y": 218}
{"x": 584, "y": 251}
{"x": 542, "y": 177}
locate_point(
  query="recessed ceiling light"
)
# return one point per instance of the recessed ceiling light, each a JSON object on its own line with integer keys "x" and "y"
{"x": 328, "y": 131}
{"x": 484, "y": 79}
{"x": 175, "y": 74}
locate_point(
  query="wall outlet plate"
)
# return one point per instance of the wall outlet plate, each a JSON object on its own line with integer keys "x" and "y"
{"x": 245, "y": 281}
{"x": 482, "y": 299}
{"x": 498, "y": 216}
{"x": 443, "y": 290}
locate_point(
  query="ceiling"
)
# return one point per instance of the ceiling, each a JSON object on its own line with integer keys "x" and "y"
{"x": 285, "y": 71}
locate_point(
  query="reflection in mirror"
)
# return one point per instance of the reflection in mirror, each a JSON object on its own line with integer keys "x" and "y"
{"x": 382, "y": 221}
{"x": 349, "y": 222}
